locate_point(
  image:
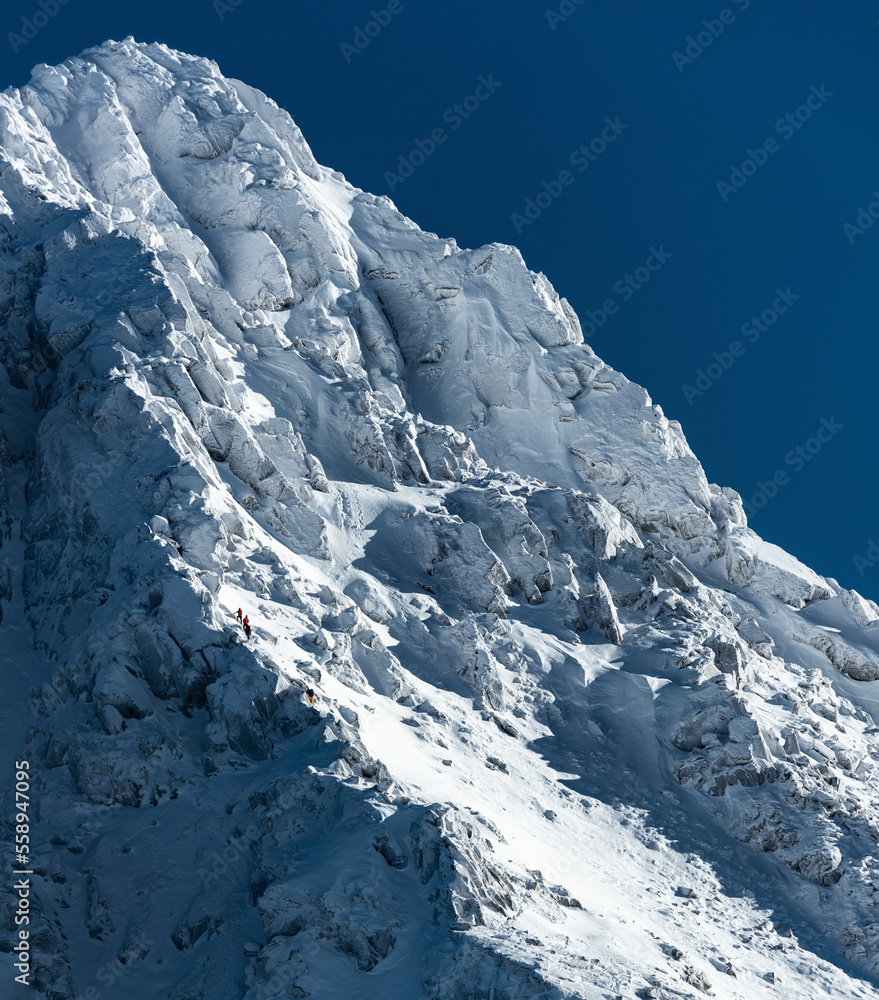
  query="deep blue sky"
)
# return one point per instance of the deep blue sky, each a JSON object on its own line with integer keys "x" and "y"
{"x": 654, "y": 186}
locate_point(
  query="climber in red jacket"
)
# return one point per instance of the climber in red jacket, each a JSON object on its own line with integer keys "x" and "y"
{"x": 239, "y": 614}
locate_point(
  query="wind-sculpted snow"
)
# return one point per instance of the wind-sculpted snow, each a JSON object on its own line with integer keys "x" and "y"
{"x": 578, "y": 731}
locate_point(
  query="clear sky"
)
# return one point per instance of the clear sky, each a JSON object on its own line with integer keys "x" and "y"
{"x": 721, "y": 148}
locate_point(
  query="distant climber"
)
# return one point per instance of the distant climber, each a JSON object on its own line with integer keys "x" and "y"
{"x": 246, "y": 621}
{"x": 312, "y": 697}
{"x": 239, "y": 614}
{"x": 246, "y": 631}
{"x": 179, "y": 550}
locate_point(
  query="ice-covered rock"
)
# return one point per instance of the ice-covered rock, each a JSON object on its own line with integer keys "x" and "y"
{"x": 605, "y": 613}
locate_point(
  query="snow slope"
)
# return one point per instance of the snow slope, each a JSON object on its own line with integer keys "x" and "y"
{"x": 579, "y": 732}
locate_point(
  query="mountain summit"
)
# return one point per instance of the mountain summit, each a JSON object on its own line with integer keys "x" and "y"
{"x": 526, "y": 709}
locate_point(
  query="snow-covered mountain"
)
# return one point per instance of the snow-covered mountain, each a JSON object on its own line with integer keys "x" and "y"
{"x": 578, "y": 731}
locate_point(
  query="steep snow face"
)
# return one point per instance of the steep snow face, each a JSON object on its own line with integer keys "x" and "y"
{"x": 578, "y": 731}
